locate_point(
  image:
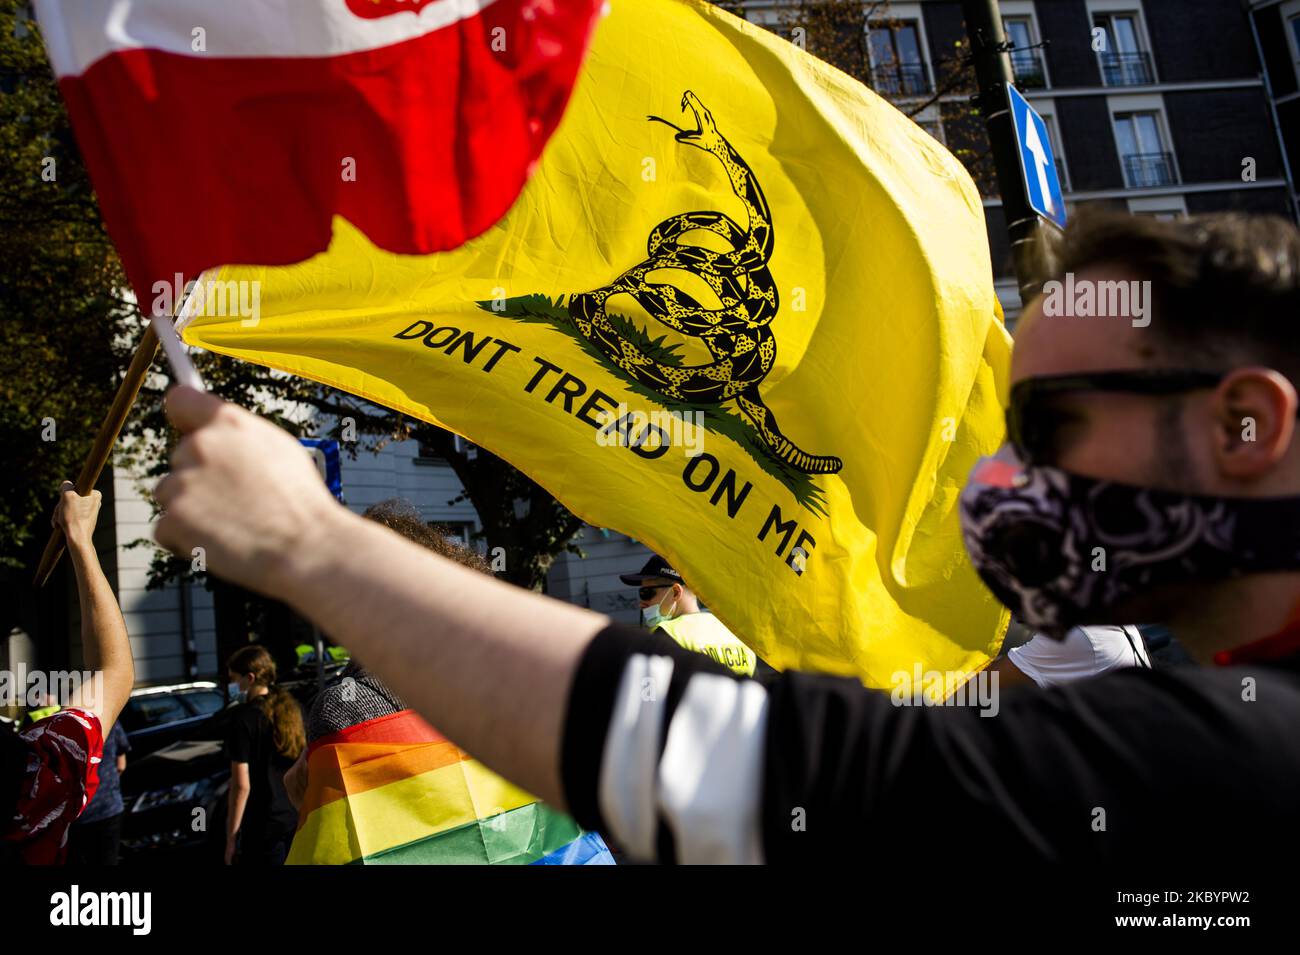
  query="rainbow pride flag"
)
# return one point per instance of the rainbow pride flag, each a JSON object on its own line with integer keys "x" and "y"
{"x": 394, "y": 791}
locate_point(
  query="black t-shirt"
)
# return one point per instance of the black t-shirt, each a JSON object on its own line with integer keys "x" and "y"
{"x": 268, "y": 814}
{"x": 665, "y": 751}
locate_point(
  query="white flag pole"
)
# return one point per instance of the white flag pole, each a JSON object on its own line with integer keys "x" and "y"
{"x": 183, "y": 369}
{"x": 164, "y": 326}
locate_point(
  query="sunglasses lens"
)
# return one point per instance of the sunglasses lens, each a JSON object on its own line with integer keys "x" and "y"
{"x": 647, "y": 593}
{"x": 1013, "y": 430}
{"x": 1031, "y": 428}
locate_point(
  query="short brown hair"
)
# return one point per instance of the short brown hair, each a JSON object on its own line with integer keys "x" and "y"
{"x": 403, "y": 518}
{"x": 1226, "y": 284}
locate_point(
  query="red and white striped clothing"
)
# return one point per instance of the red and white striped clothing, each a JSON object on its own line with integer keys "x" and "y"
{"x": 62, "y": 774}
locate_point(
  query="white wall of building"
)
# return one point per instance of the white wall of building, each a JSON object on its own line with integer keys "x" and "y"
{"x": 156, "y": 620}
{"x": 593, "y": 581}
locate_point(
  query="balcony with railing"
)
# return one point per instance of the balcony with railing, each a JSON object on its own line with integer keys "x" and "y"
{"x": 901, "y": 79}
{"x": 1127, "y": 69}
{"x": 1147, "y": 170}
{"x": 1060, "y": 174}
{"x": 1027, "y": 67}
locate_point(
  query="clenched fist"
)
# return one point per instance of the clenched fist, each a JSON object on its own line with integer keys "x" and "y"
{"x": 76, "y": 515}
{"x": 243, "y": 490}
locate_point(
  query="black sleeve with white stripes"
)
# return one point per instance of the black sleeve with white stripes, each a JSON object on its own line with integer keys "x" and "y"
{"x": 677, "y": 759}
{"x": 628, "y": 688}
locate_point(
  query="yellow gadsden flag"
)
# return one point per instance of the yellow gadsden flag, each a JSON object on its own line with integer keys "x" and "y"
{"x": 743, "y": 311}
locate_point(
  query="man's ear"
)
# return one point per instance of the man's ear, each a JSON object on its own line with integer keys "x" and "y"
{"x": 1255, "y": 416}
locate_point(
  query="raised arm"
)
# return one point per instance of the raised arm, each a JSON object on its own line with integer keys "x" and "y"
{"x": 106, "y": 649}
{"x": 487, "y": 663}
{"x": 677, "y": 758}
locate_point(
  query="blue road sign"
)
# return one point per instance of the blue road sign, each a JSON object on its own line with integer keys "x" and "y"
{"x": 1042, "y": 184}
{"x": 325, "y": 453}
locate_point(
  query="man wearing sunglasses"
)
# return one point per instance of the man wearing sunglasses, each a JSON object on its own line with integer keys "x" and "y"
{"x": 667, "y": 604}
{"x": 1153, "y": 475}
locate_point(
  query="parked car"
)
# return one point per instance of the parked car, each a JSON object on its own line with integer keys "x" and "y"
{"x": 157, "y": 716}
{"x": 176, "y": 794}
{"x": 175, "y": 800}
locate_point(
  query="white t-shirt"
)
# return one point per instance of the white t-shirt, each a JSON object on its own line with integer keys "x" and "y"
{"x": 1085, "y": 651}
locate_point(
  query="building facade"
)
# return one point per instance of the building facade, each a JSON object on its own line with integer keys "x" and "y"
{"x": 185, "y": 630}
{"x": 1275, "y": 28}
{"x": 1160, "y": 107}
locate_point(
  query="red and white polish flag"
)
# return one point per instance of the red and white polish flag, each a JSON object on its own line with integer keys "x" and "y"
{"x": 231, "y": 131}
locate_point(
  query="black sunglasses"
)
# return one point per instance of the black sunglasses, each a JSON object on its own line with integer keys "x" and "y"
{"x": 1033, "y": 422}
{"x": 648, "y": 593}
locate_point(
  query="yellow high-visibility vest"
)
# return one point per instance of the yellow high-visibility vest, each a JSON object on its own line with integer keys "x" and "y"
{"x": 704, "y": 633}
{"x": 35, "y": 716}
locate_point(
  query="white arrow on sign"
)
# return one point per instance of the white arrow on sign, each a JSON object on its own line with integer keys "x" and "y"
{"x": 1035, "y": 146}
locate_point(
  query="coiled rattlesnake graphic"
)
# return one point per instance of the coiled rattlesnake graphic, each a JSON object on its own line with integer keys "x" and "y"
{"x": 737, "y": 333}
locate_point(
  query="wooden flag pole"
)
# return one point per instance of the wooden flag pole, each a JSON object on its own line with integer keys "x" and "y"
{"x": 160, "y": 330}
{"x": 145, "y": 352}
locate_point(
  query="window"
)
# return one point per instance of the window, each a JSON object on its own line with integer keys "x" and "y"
{"x": 1124, "y": 58}
{"x": 205, "y": 702}
{"x": 142, "y": 712}
{"x": 1292, "y": 15}
{"x": 1057, "y": 153}
{"x": 1142, "y": 151}
{"x": 931, "y": 120}
{"x": 1161, "y": 207}
{"x": 428, "y": 454}
{"x": 932, "y": 126}
{"x": 897, "y": 66}
{"x": 1289, "y": 14}
{"x": 766, "y": 16}
{"x": 1025, "y": 60}
{"x": 462, "y": 532}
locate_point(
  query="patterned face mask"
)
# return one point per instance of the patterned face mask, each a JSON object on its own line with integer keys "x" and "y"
{"x": 1060, "y": 550}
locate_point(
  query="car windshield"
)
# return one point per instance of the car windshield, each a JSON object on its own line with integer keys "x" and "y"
{"x": 204, "y": 702}
{"x": 143, "y": 712}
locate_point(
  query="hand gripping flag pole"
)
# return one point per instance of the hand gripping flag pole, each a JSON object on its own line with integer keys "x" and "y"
{"x": 162, "y": 330}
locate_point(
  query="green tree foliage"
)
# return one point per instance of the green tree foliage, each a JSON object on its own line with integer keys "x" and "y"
{"x": 837, "y": 31}
{"x": 68, "y": 328}
{"x": 65, "y": 328}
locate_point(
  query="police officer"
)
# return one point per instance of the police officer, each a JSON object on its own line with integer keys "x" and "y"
{"x": 667, "y": 604}
{"x": 306, "y": 654}
{"x": 49, "y": 706}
